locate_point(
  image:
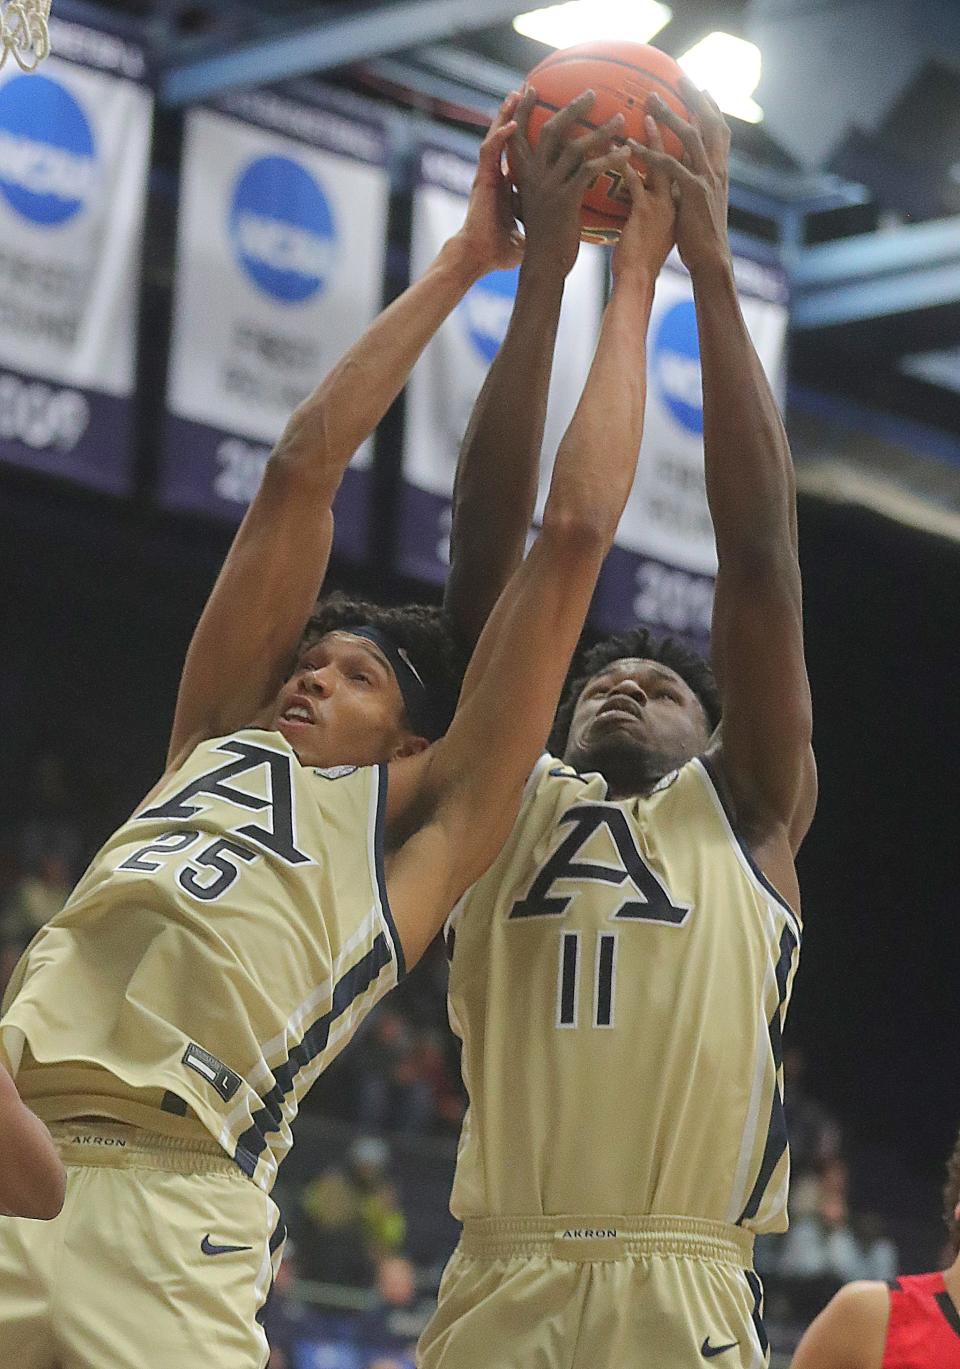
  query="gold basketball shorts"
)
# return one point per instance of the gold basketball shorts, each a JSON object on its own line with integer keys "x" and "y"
{"x": 601, "y": 1293}
{"x": 163, "y": 1257}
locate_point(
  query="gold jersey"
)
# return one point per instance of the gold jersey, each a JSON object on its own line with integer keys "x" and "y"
{"x": 619, "y": 978}
{"x": 221, "y": 949}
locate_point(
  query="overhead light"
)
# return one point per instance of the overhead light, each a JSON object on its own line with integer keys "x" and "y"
{"x": 729, "y": 68}
{"x": 936, "y": 368}
{"x": 582, "y": 21}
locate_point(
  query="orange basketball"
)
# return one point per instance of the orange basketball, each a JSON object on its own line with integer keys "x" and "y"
{"x": 623, "y": 75}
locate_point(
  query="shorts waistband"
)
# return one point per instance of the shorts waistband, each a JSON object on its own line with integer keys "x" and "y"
{"x": 605, "y": 1238}
{"x": 116, "y": 1145}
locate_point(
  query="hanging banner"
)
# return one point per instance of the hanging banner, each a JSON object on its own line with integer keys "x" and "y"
{"x": 662, "y": 570}
{"x": 280, "y": 260}
{"x": 74, "y": 156}
{"x": 449, "y": 375}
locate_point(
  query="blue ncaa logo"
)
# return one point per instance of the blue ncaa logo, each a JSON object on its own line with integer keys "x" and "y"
{"x": 487, "y": 309}
{"x": 283, "y": 229}
{"x": 48, "y": 163}
{"x": 676, "y": 365}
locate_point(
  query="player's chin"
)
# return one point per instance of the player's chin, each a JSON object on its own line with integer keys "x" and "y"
{"x": 615, "y": 750}
{"x": 302, "y": 738}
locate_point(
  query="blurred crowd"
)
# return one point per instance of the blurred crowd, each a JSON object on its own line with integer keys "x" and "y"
{"x": 367, "y": 1250}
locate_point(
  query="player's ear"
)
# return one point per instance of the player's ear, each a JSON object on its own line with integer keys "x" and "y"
{"x": 409, "y": 745}
{"x": 956, "y": 1213}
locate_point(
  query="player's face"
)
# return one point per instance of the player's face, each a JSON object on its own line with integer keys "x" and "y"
{"x": 342, "y": 705}
{"x": 635, "y": 721}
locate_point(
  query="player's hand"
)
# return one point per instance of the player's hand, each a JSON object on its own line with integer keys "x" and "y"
{"x": 490, "y": 235}
{"x": 650, "y": 231}
{"x": 701, "y": 181}
{"x": 553, "y": 178}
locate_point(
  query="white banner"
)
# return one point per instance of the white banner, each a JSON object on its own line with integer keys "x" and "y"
{"x": 279, "y": 270}
{"x": 74, "y": 156}
{"x": 662, "y": 569}
{"x": 448, "y": 378}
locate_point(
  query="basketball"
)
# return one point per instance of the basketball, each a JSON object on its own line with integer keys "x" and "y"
{"x": 623, "y": 75}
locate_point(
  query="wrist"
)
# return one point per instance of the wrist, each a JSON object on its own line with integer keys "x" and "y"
{"x": 714, "y": 270}
{"x": 634, "y": 275}
{"x": 462, "y": 259}
{"x": 543, "y": 270}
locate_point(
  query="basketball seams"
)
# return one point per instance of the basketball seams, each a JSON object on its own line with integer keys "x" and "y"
{"x": 562, "y": 60}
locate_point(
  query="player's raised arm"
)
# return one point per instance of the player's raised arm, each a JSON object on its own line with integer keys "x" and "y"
{"x": 757, "y": 635}
{"x": 32, "y": 1177}
{"x": 460, "y": 798}
{"x": 496, "y": 484}
{"x": 250, "y": 628}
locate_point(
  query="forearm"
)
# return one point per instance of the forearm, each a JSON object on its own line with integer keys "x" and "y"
{"x": 497, "y": 476}
{"x": 596, "y": 462}
{"x": 328, "y": 427}
{"x": 33, "y": 1180}
{"x": 749, "y": 473}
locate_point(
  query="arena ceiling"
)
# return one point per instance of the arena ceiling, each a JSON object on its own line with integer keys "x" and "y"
{"x": 853, "y": 177}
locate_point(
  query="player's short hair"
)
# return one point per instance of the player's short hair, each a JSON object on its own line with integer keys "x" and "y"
{"x": 951, "y": 1196}
{"x": 639, "y": 643}
{"x": 425, "y": 632}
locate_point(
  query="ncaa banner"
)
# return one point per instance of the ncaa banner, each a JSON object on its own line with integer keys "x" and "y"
{"x": 74, "y": 156}
{"x": 662, "y": 570}
{"x": 280, "y": 269}
{"x": 449, "y": 375}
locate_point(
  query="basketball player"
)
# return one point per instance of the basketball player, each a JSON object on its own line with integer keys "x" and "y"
{"x": 912, "y": 1324}
{"x": 620, "y": 976}
{"x": 31, "y": 1173}
{"x": 227, "y": 940}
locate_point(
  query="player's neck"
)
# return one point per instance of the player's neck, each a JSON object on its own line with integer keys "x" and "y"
{"x": 951, "y": 1277}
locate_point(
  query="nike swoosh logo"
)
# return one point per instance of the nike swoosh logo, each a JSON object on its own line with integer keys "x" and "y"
{"x": 709, "y": 1351}
{"x": 208, "y": 1248}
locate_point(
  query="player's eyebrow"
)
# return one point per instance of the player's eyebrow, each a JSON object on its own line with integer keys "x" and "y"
{"x": 370, "y": 649}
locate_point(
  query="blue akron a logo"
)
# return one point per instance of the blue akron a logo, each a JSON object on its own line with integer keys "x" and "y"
{"x": 487, "y": 309}
{"x": 676, "y": 366}
{"x": 48, "y": 166}
{"x": 283, "y": 229}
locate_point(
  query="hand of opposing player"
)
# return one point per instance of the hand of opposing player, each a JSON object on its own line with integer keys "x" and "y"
{"x": 650, "y": 231}
{"x": 700, "y": 182}
{"x": 490, "y": 235}
{"x": 553, "y": 177}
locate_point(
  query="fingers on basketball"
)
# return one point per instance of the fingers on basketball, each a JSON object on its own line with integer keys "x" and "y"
{"x": 553, "y": 134}
{"x": 593, "y": 144}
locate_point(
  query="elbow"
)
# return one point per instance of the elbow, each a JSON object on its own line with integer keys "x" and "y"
{"x": 44, "y": 1201}
{"x": 50, "y": 1203}
{"x": 578, "y": 534}
{"x": 303, "y": 456}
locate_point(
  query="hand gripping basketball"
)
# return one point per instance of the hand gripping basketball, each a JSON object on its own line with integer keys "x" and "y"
{"x": 700, "y": 181}
{"x": 553, "y": 177}
{"x": 620, "y": 77}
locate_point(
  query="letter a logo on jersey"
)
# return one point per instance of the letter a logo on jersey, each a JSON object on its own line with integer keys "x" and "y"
{"x": 653, "y": 902}
{"x": 279, "y": 836}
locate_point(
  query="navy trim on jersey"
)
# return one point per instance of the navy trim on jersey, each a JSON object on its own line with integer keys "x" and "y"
{"x": 276, "y": 1241}
{"x": 715, "y": 780}
{"x": 356, "y": 981}
{"x": 777, "y": 1128}
{"x": 378, "y": 841}
{"x": 756, "y": 1312}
